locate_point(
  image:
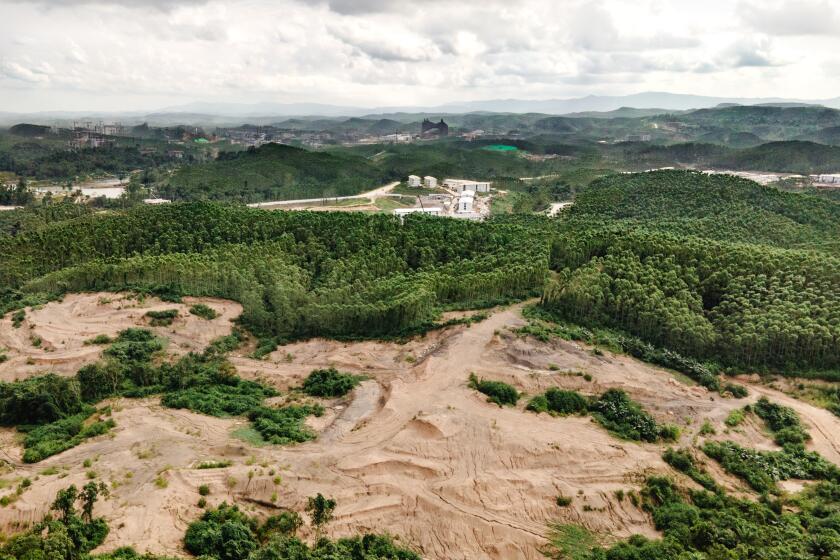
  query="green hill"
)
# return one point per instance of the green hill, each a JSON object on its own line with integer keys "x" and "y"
{"x": 720, "y": 207}
{"x": 791, "y": 157}
{"x": 274, "y": 172}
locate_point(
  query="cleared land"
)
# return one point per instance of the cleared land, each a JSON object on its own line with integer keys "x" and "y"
{"x": 412, "y": 451}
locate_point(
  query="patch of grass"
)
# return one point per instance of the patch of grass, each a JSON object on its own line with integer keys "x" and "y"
{"x": 735, "y": 418}
{"x": 563, "y": 501}
{"x": 249, "y": 435}
{"x": 572, "y": 541}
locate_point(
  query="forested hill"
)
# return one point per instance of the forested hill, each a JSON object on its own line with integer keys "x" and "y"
{"x": 721, "y": 207}
{"x": 273, "y": 172}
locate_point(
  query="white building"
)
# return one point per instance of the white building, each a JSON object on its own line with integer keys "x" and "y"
{"x": 413, "y": 181}
{"x": 403, "y": 212}
{"x": 156, "y": 201}
{"x": 429, "y": 182}
{"x": 462, "y": 185}
{"x": 465, "y": 202}
{"x": 832, "y": 178}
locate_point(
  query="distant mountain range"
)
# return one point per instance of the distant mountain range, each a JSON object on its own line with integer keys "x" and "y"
{"x": 223, "y": 114}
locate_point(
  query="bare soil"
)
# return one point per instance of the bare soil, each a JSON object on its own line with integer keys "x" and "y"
{"x": 413, "y": 451}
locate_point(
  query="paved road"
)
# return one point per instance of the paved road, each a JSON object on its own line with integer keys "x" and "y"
{"x": 384, "y": 190}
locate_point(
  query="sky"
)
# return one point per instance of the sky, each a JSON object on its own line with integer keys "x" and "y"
{"x": 126, "y": 55}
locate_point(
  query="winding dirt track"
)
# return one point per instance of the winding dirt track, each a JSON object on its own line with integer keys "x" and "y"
{"x": 413, "y": 452}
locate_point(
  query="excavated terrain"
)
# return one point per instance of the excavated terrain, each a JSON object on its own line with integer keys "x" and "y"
{"x": 413, "y": 451}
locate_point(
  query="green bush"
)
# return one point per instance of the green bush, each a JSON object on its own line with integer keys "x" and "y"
{"x": 783, "y": 421}
{"x": 49, "y": 439}
{"x": 203, "y": 311}
{"x": 497, "y": 391}
{"x": 282, "y": 426}
{"x": 737, "y": 391}
{"x": 162, "y": 318}
{"x": 99, "y": 339}
{"x": 330, "y": 383}
{"x": 683, "y": 461}
{"x": 39, "y": 400}
{"x": 762, "y": 469}
{"x": 620, "y": 415}
{"x": 559, "y": 401}
{"x": 563, "y": 501}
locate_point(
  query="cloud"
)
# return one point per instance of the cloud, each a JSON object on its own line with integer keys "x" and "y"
{"x": 802, "y": 17}
{"x": 388, "y": 45}
{"x": 163, "y": 5}
{"x": 16, "y": 71}
{"x": 748, "y": 54}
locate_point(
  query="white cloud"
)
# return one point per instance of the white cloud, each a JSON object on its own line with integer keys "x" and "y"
{"x": 122, "y": 54}
{"x": 799, "y": 17}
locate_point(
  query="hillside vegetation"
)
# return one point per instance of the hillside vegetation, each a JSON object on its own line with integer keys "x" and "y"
{"x": 273, "y": 172}
{"x": 721, "y": 207}
{"x": 673, "y": 268}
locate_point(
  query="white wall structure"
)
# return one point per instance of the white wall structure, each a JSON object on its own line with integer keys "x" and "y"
{"x": 829, "y": 178}
{"x": 465, "y": 205}
{"x": 403, "y": 212}
{"x": 429, "y": 182}
{"x": 413, "y": 181}
{"x": 461, "y": 185}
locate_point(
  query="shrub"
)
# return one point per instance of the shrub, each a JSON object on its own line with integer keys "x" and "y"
{"x": 620, "y": 415}
{"x": 203, "y": 490}
{"x": 282, "y": 426}
{"x": 559, "y": 401}
{"x": 563, "y": 501}
{"x": 49, "y": 439}
{"x": 762, "y": 469}
{"x": 707, "y": 429}
{"x": 18, "y": 317}
{"x": 683, "y": 461}
{"x": 39, "y": 400}
{"x": 735, "y": 417}
{"x": 329, "y": 383}
{"x": 497, "y": 391}
{"x": 213, "y": 465}
{"x": 203, "y": 311}
{"x": 99, "y": 339}
{"x": 162, "y": 318}
{"x": 737, "y": 391}
{"x": 783, "y": 421}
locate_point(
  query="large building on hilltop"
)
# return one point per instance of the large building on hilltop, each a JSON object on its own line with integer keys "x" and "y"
{"x": 429, "y": 128}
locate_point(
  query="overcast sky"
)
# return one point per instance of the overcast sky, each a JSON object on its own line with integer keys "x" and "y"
{"x": 146, "y": 54}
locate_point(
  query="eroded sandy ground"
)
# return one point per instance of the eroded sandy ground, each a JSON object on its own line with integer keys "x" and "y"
{"x": 63, "y": 327}
{"x": 413, "y": 451}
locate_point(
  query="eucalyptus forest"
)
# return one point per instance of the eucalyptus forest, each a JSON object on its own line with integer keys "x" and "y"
{"x": 709, "y": 276}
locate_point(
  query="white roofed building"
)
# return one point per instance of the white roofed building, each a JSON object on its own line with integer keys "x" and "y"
{"x": 413, "y": 181}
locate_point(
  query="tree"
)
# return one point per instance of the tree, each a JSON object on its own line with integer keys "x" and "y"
{"x": 89, "y": 494}
{"x": 65, "y": 502}
{"x": 320, "y": 511}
